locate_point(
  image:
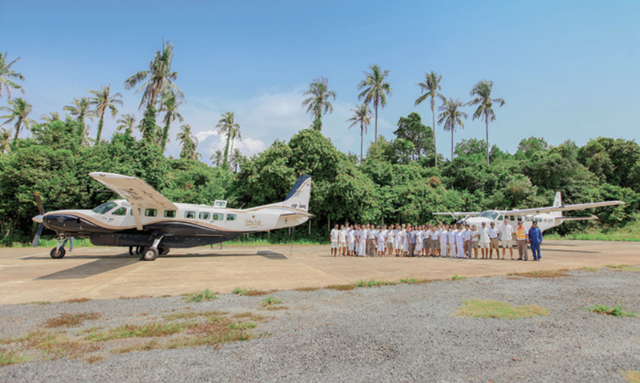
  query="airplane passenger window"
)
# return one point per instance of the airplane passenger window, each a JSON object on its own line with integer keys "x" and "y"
{"x": 105, "y": 207}
{"x": 170, "y": 213}
{"x": 204, "y": 216}
{"x": 121, "y": 211}
{"x": 231, "y": 217}
{"x": 150, "y": 212}
{"x": 513, "y": 218}
{"x": 217, "y": 217}
{"x": 190, "y": 214}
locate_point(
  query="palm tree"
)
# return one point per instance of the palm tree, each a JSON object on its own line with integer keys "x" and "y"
{"x": 19, "y": 111}
{"x": 51, "y": 117}
{"x": 80, "y": 110}
{"x": 451, "y": 116}
{"x": 227, "y": 126}
{"x": 361, "y": 116}
{"x": 188, "y": 143}
{"x": 170, "y": 107}
{"x": 375, "y": 90}
{"x": 103, "y": 100}
{"x": 7, "y": 75}
{"x": 5, "y": 140}
{"x": 235, "y": 160}
{"x": 485, "y": 105}
{"x": 217, "y": 158}
{"x": 319, "y": 103}
{"x": 126, "y": 122}
{"x": 431, "y": 86}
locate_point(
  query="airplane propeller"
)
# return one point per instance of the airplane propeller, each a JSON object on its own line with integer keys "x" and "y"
{"x": 36, "y": 239}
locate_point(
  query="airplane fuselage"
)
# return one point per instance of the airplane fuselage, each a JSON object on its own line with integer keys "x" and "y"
{"x": 544, "y": 221}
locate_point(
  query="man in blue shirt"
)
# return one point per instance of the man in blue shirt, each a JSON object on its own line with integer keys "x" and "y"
{"x": 412, "y": 241}
{"x": 535, "y": 239}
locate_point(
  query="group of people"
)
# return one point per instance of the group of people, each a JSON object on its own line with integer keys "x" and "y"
{"x": 455, "y": 241}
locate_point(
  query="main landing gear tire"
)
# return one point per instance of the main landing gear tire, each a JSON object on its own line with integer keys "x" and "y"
{"x": 164, "y": 250}
{"x": 149, "y": 254}
{"x": 57, "y": 253}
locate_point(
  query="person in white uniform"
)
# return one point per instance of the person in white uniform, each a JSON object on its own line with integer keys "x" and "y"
{"x": 397, "y": 245}
{"x": 485, "y": 241}
{"x": 418, "y": 249}
{"x": 453, "y": 230}
{"x": 342, "y": 241}
{"x": 334, "y": 240}
{"x": 363, "y": 241}
{"x": 475, "y": 237}
{"x": 506, "y": 235}
{"x": 390, "y": 239}
{"x": 351, "y": 241}
{"x": 444, "y": 234}
{"x": 435, "y": 242}
{"x": 460, "y": 241}
{"x": 380, "y": 240}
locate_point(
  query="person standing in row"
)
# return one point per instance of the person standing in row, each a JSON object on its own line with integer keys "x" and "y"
{"x": 412, "y": 241}
{"x": 435, "y": 241}
{"x": 419, "y": 241}
{"x": 475, "y": 236}
{"x": 391, "y": 235}
{"x": 380, "y": 238}
{"x": 485, "y": 240}
{"x": 493, "y": 237}
{"x": 351, "y": 241}
{"x": 507, "y": 238}
{"x": 452, "y": 240}
{"x": 535, "y": 239}
{"x": 371, "y": 241}
{"x": 398, "y": 240}
{"x": 460, "y": 241}
{"x": 363, "y": 241}
{"x": 342, "y": 241}
{"x": 333, "y": 237}
{"x": 444, "y": 235}
{"x": 521, "y": 239}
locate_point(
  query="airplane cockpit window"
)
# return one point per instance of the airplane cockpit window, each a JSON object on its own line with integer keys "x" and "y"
{"x": 120, "y": 211}
{"x": 217, "y": 217}
{"x": 150, "y": 212}
{"x": 105, "y": 207}
{"x": 190, "y": 214}
{"x": 170, "y": 213}
{"x": 231, "y": 217}
{"x": 204, "y": 216}
{"x": 220, "y": 204}
{"x": 489, "y": 214}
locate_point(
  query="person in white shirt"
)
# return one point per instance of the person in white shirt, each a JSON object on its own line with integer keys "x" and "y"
{"x": 460, "y": 241}
{"x": 371, "y": 241}
{"x": 418, "y": 250}
{"x": 435, "y": 242}
{"x": 333, "y": 237}
{"x": 351, "y": 241}
{"x": 484, "y": 241}
{"x": 453, "y": 230}
{"x": 391, "y": 235}
{"x": 493, "y": 237}
{"x": 506, "y": 233}
{"x": 379, "y": 241}
{"x": 405, "y": 240}
{"x": 363, "y": 241}
{"x": 342, "y": 241}
{"x": 467, "y": 241}
{"x": 463, "y": 235}
{"x": 444, "y": 234}
{"x": 475, "y": 236}
{"x": 397, "y": 245}
{"x": 427, "y": 241}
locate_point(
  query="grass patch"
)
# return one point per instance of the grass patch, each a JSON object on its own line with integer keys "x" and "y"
{"x": 56, "y": 345}
{"x": 141, "y": 331}
{"x": 458, "y": 278}
{"x": 617, "y": 266}
{"x": 307, "y": 289}
{"x": 146, "y": 346}
{"x": 542, "y": 274}
{"x": 633, "y": 268}
{"x": 477, "y": 308}
{"x": 193, "y": 314}
{"x": 77, "y": 300}
{"x": 70, "y": 320}
{"x": 242, "y": 325}
{"x": 91, "y": 359}
{"x": 409, "y": 281}
{"x": 616, "y": 311}
{"x": 372, "y": 283}
{"x": 137, "y": 297}
{"x": 268, "y": 301}
{"x": 202, "y": 296}
{"x": 40, "y": 303}
{"x": 632, "y": 376}
{"x": 341, "y": 287}
{"x": 12, "y": 357}
{"x": 588, "y": 269}
{"x": 251, "y": 292}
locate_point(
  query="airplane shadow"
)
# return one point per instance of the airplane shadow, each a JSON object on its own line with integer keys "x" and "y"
{"x": 569, "y": 251}
{"x": 90, "y": 269}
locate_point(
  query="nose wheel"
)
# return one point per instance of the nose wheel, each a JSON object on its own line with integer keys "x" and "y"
{"x": 57, "y": 253}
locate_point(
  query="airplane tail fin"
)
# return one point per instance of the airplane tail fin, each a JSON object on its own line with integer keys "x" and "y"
{"x": 557, "y": 202}
{"x": 298, "y": 197}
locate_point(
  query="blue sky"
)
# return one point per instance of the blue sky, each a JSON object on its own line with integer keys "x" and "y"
{"x": 566, "y": 69}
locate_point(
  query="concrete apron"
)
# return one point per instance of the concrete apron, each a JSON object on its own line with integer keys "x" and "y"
{"x": 30, "y": 275}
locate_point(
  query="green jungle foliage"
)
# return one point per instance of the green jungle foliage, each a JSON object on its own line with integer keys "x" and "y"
{"x": 396, "y": 182}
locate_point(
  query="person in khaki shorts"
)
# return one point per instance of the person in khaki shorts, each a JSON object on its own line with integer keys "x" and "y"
{"x": 493, "y": 237}
{"x": 521, "y": 240}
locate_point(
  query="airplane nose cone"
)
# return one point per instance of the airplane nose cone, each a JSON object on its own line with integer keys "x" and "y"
{"x": 37, "y": 218}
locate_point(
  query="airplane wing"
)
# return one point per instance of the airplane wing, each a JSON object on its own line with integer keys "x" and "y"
{"x": 580, "y": 206}
{"x": 562, "y": 219}
{"x": 134, "y": 190}
{"x": 459, "y": 214}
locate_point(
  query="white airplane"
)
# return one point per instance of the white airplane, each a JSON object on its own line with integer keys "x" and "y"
{"x": 546, "y": 217}
{"x": 148, "y": 221}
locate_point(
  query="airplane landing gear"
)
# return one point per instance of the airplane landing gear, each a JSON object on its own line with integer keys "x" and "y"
{"x": 57, "y": 253}
{"x": 151, "y": 253}
{"x": 164, "y": 250}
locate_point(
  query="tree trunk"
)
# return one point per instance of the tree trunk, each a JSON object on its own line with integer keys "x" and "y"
{"x": 435, "y": 146}
{"x": 165, "y": 135}
{"x": 225, "y": 163}
{"x": 361, "y": 140}
{"x": 486, "y": 119}
{"x": 100, "y": 124}
{"x": 18, "y": 125}
{"x": 376, "y": 138}
{"x": 452, "y": 144}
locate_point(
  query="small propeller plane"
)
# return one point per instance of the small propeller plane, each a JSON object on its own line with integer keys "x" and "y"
{"x": 546, "y": 217}
{"x": 152, "y": 224}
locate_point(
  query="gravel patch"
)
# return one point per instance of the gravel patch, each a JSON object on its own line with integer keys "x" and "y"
{"x": 388, "y": 333}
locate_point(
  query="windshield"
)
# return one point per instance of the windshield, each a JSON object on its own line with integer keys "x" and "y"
{"x": 489, "y": 214}
{"x": 105, "y": 207}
